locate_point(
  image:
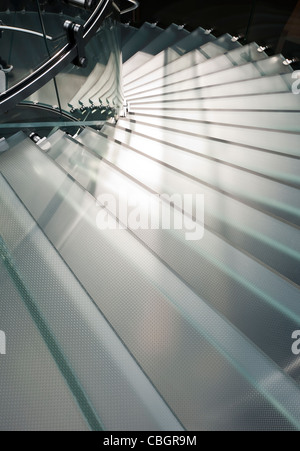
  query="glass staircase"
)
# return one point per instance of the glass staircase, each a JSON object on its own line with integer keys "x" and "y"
{"x": 139, "y": 328}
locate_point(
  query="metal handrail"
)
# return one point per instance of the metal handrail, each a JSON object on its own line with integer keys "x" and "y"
{"x": 135, "y": 5}
{"x": 24, "y": 30}
{"x": 54, "y": 65}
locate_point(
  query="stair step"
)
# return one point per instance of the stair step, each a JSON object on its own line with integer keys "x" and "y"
{"x": 169, "y": 37}
{"x": 194, "y": 65}
{"x": 147, "y": 33}
{"x": 167, "y": 299}
{"x": 236, "y": 145}
{"x": 191, "y": 42}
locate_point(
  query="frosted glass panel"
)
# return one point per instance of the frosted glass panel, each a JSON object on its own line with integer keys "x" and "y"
{"x": 171, "y": 306}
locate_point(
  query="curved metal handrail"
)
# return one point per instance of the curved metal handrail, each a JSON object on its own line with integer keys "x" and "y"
{"x": 56, "y": 64}
{"x": 135, "y": 5}
{"x": 24, "y": 30}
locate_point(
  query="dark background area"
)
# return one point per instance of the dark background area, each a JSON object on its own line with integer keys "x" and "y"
{"x": 262, "y": 21}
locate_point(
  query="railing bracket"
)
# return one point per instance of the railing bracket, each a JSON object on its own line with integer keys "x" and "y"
{"x": 75, "y": 35}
